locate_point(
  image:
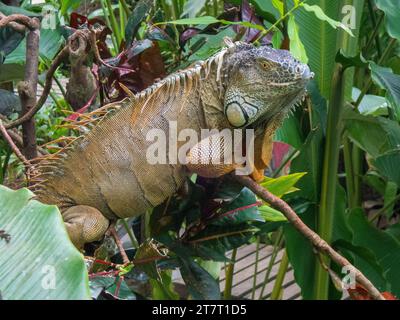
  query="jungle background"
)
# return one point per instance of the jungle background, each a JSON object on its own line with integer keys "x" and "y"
{"x": 336, "y": 158}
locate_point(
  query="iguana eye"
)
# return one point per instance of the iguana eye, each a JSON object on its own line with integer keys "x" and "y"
{"x": 266, "y": 64}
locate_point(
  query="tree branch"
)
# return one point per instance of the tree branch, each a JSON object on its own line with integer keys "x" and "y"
{"x": 16, "y": 26}
{"x": 27, "y": 90}
{"x": 320, "y": 244}
{"x": 46, "y": 90}
{"x": 13, "y": 19}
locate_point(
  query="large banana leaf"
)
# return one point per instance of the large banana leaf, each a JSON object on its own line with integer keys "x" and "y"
{"x": 322, "y": 41}
{"x": 392, "y": 12}
{"x": 319, "y": 39}
{"x": 37, "y": 259}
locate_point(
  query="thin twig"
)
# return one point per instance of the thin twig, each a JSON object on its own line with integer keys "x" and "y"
{"x": 13, "y": 146}
{"x": 320, "y": 244}
{"x": 46, "y": 89}
{"x": 17, "y": 136}
{"x": 118, "y": 242}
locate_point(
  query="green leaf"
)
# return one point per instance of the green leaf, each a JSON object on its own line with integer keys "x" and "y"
{"x": 11, "y": 72}
{"x": 212, "y": 267}
{"x": 50, "y": 43}
{"x": 383, "y": 245}
{"x": 320, "y": 41}
{"x": 301, "y": 255}
{"x": 394, "y": 231}
{"x": 376, "y": 181}
{"x": 9, "y": 10}
{"x": 68, "y": 6}
{"x": 389, "y": 197}
{"x": 271, "y": 214}
{"x": 197, "y": 20}
{"x": 392, "y": 13}
{"x": 164, "y": 289}
{"x": 278, "y": 4}
{"x": 9, "y": 102}
{"x": 282, "y": 185}
{"x": 192, "y": 8}
{"x": 139, "y": 13}
{"x": 210, "y": 20}
{"x": 114, "y": 286}
{"x": 147, "y": 250}
{"x": 351, "y": 61}
{"x": 296, "y": 46}
{"x": 300, "y": 251}
{"x": 9, "y": 40}
{"x": 212, "y": 44}
{"x": 170, "y": 214}
{"x": 383, "y": 134}
{"x": 388, "y": 165}
{"x": 371, "y": 104}
{"x": 386, "y": 79}
{"x": 289, "y": 132}
{"x": 100, "y": 283}
{"x": 121, "y": 290}
{"x": 224, "y": 238}
{"x": 364, "y": 259}
{"x": 320, "y": 14}
{"x": 201, "y": 285}
{"x": 266, "y": 10}
{"x": 242, "y": 209}
{"x": 39, "y": 261}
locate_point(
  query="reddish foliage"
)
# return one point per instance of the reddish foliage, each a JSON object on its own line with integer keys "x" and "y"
{"x": 279, "y": 153}
{"x": 78, "y": 21}
{"x": 137, "y": 68}
{"x": 360, "y": 293}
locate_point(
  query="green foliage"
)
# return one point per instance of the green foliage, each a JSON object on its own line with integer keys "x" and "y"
{"x": 38, "y": 260}
{"x": 296, "y": 46}
{"x": 386, "y": 79}
{"x": 201, "y": 285}
{"x": 320, "y": 41}
{"x": 390, "y": 8}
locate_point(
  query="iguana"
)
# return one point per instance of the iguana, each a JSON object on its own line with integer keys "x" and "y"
{"x": 104, "y": 175}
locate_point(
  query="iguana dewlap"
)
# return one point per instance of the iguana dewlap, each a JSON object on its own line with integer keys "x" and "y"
{"x": 105, "y": 174}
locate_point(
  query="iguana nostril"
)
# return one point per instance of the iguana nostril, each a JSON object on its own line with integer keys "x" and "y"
{"x": 307, "y": 74}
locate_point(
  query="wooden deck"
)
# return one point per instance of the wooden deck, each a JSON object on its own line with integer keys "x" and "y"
{"x": 244, "y": 271}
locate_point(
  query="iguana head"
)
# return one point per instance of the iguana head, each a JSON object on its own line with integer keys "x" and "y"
{"x": 263, "y": 83}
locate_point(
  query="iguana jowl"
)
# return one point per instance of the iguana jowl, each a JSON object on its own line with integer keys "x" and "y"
{"x": 105, "y": 175}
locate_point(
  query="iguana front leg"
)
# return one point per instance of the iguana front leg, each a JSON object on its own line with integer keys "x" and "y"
{"x": 84, "y": 224}
{"x": 208, "y": 157}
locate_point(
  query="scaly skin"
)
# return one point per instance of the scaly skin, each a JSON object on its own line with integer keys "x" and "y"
{"x": 106, "y": 175}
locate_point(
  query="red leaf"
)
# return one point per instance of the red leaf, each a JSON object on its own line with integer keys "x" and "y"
{"x": 360, "y": 293}
{"x": 388, "y": 296}
{"x": 136, "y": 68}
